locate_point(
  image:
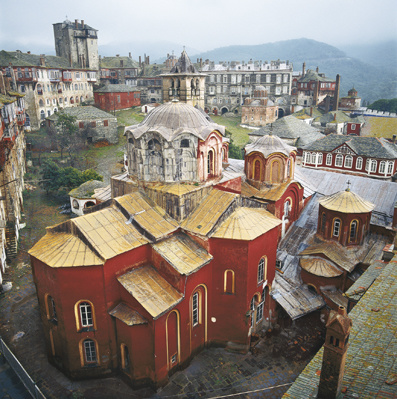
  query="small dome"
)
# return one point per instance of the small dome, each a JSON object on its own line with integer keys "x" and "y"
{"x": 174, "y": 118}
{"x": 346, "y": 202}
{"x": 269, "y": 144}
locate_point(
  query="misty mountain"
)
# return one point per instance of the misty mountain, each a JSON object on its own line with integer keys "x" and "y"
{"x": 371, "y": 81}
{"x": 157, "y": 51}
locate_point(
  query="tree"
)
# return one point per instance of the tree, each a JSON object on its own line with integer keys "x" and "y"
{"x": 55, "y": 178}
{"x": 385, "y": 105}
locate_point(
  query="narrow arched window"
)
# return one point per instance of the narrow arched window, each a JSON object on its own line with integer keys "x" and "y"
{"x": 288, "y": 168}
{"x": 287, "y": 206}
{"x": 196, "y": 305}
{"x": 125, "y": 357}
{"x": 228, "y": 283}
{"x": 348, "y": 161}
{"x": 328, "y": 160}
{"x": 262, "y": 269}
{"x": 353, "y": 230}
{"x": 336, "y": 229}
{"x": 85, "y": 316}
{"x": 323, "y": 222}
{"x": 359, "y": 163}
{"x": 339, "y": 160}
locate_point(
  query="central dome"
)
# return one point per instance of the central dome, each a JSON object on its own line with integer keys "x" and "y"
{"x": 268, "y": 145}
{"x": 174, "y": 118}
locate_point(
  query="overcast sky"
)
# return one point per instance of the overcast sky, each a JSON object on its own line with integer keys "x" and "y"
{"x": 200, "y": 24}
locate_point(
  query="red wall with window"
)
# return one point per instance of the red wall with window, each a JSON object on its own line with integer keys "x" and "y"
{"x": 119, "y": 100}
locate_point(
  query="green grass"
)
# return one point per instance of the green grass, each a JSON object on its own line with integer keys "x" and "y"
{"x": 232, "y": 125}
{"x": 132, "y": 116}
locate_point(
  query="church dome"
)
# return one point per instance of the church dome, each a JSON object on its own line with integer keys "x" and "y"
{"x": 346, "y": 202}
{"x": 174, "y": 118}
{"x": 269, "y": 144}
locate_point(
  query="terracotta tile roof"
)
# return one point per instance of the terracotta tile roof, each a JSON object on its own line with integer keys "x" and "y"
{"x": 272, "y": 193}
{"x": 320, "y": 267}
{"x": 346, "y": 202}
{"x": 246, "y": 224}
{"x": 371, "y": 356}
{"x": 127, "y": 315}
{"x": 208, "y": 213}
{"x": 64, "y": 250}
{"x": 151, "y": 290}
{"x": 182, "y": 253}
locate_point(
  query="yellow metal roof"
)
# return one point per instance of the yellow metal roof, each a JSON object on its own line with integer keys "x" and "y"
{"x": 64, "y": 250}
{"x": 109, "y": 232}
{"x": 346, "y": 202}
{"x": 272, "y": 193}
{"x": 211, "y": 208}
{"x": 127, "y": 315}
{"x": 178, "y": 189}
{"x": 182, "y": 253}
{"x": 320, "y": 267}
{"x": 246, "y": 224}
{"x": 147, "y": 216}
{"x": 338, "y": 254}
{"x": 151, "y": 290}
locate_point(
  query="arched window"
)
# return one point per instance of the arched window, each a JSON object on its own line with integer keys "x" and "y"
{"x": 196, "y": 308}
{"x": 320, "y": 158}
{"x": 328, "y": 160}
{"x": 90, "y": 352}
{"x": 289, "y": 168}
{"x": 125, "y": 357}
{"x": 75, "y": 204}
{"x": 41, "y": 102}
{"x": 287, "y": 206}
{"x": 336, "y": 229}
{"x": 348, "y": 161}
{"x": 339, "y": 160}
{"x": 262, "y": 269}
{"x": 228, "y": 282}
{"x": 71, "y": 100}
{"x": 85, "y": 317}
{"x": 50, "y": 308}
{"x": 210, "y": 162}
{"x": 42, "y": 115}
{"x": 390, "y": 168}
{"x": 154, "y": 145}
{"x": 359, "y": 163}
{"x": 257, "y": 169}
{"x": 374, "y": 164}
{"x": 353, "y": 230}
{"x": 313, "y": 157}
{"x": 382, "y": 167}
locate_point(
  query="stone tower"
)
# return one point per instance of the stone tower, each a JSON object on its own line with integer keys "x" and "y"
{"x": 77, "y": 42}
{"x": 184, "y": 82}
{"x": 334, "y": 356}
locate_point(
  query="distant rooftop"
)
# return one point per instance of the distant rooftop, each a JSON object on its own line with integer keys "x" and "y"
{"x": 116, "y": 88}
{"x": 83, "y": 113}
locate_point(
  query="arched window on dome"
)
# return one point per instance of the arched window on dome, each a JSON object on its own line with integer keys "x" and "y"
{"x": 336, "y": 228}
{"x": 257, "y": 170}
{"x": 210, "y": 163}
{"x": 353, "y": 230}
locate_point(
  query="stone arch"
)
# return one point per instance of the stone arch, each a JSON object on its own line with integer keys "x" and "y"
{"x": 224, "y": 110}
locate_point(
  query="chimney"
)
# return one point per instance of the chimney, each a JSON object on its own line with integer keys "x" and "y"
{"x": 117, "y": 55}
{"x": 140, "y": 61}
{"x": 336, "y": 94}
{"x": 292, "y": 109}
{"x": 129, "y": 55}
{"x": 317, "y": 69}
{"x": 28, "y": 52}
{"x": 148, "y": 60}
{"x": 82, "y": 24}
{"x": 316, "y": 93}
{"x": 334, "y": 355}
{"x": 303, "y": 69}
{"x": 311, "y": 111}
{"x": 335, "y": 116}
{"x": 42, "y": 60}
{"x": 121, "y": 63}
{"x": 76, "y": 23}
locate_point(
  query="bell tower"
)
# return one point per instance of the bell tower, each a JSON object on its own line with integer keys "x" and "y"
{"x": 334, "y": 356}
{"x": 184, "y": 83}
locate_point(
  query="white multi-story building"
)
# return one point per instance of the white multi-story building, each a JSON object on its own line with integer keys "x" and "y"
{"x": 228, "y": 84}
{"x": 47, "y": 83}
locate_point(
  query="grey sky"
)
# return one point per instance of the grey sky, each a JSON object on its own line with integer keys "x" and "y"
{"x": 203, "y": 24}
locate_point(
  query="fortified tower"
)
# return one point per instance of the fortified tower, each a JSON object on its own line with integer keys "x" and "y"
{"x": 77, "y": 42}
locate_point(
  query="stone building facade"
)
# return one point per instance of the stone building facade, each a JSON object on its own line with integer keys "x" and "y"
{"x": 78, "y": 43}
{"x": 119, "y": 70}
{"x": 12, "y": 171}
{"x": 228, "y": 84}
{"x": 258, "y": 110}
{"x": 98, "y": 125}
{"x": 47, "y": 82}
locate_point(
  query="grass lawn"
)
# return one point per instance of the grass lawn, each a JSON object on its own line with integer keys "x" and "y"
{"x": 131, "y": 116}
{"x": 232, "y": 125}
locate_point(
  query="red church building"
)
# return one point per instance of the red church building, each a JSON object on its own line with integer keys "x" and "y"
{"x": 170, "y": 264}
{"x": 112, "y": 97}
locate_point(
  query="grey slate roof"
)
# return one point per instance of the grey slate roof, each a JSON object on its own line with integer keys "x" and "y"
{"x": 114, "y": 62}
{"x": 370, "y": 364}
{"x": 174, "y": 118}
{"x": 269, "y": 144}
{"x": 311, "y": 75}
{"x": 291, "y": 128}
{"x": 84, "y": 113}
{"x": 184, "y": 65}
{"x": 335, "y": 117}
{"x": 19, "y": 59}
{"x": 371, "y": 147}
{"x": 116, "y": 88}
